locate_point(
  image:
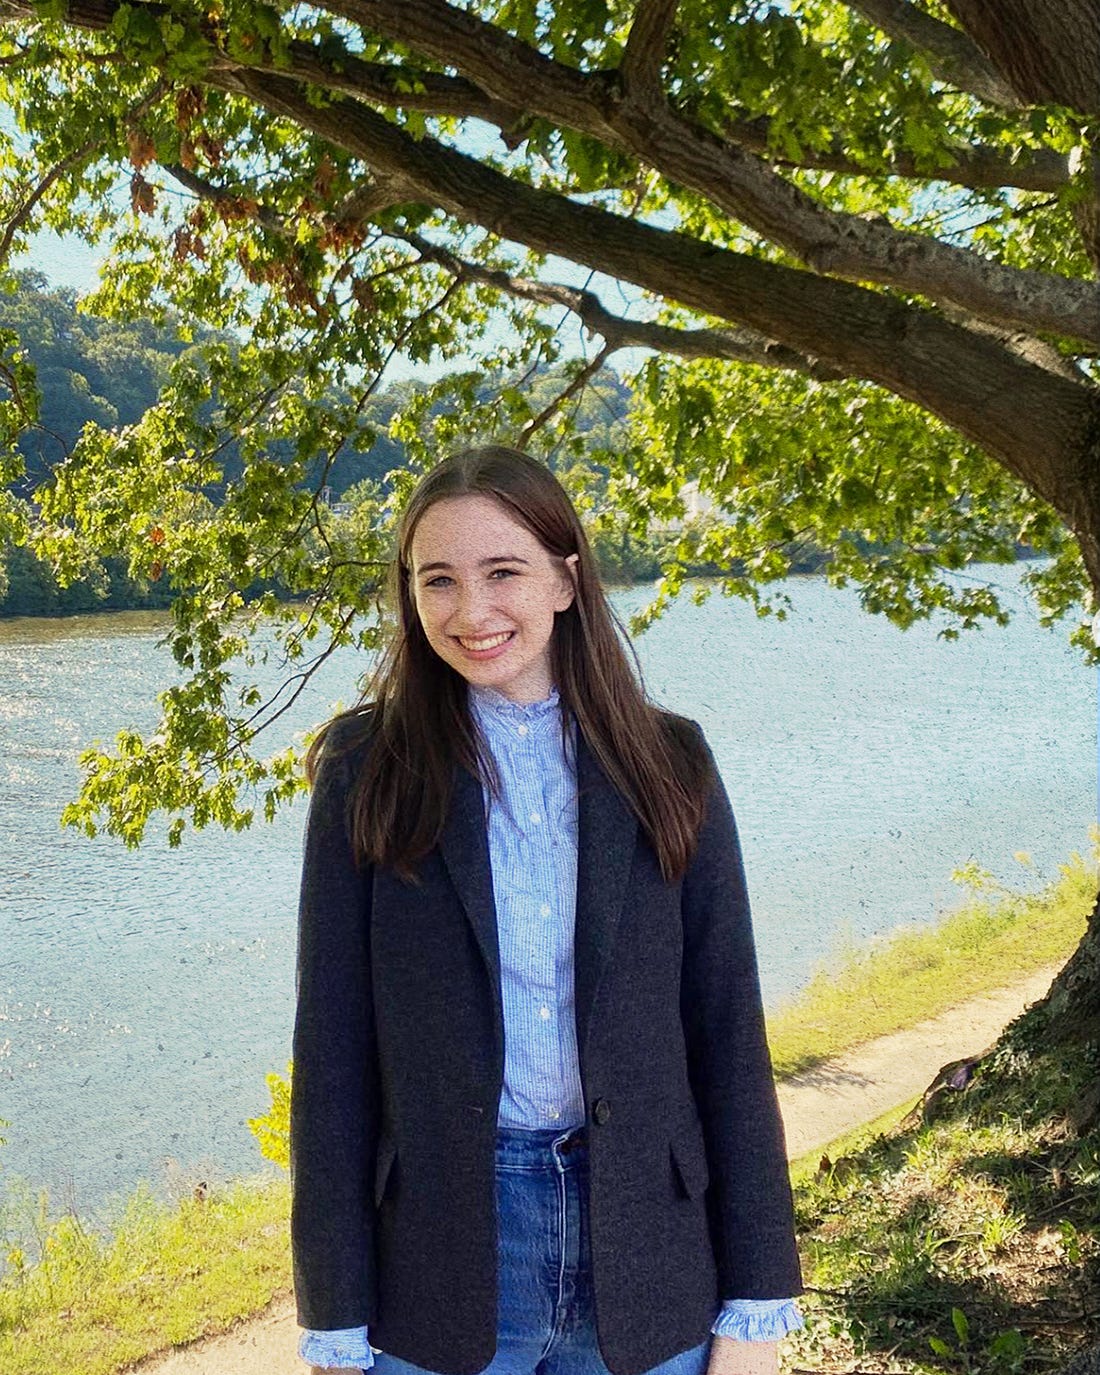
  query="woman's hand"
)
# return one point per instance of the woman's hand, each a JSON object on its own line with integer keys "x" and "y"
{"x": 731, "y": 1357}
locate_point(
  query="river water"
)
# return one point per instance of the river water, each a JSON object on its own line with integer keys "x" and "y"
{"x": 143, "y": 996}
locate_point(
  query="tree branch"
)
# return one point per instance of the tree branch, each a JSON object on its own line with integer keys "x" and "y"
{"x": 361, "y": 205}
{"x": 952, "y": 55}
{"x": 735, "y": 345}
{"x": 977, "y": 167}
{"x": 218, "y": 195}
{"x": 1026, "y": 415}
{"x": 974, "y": 166}
{"x": 740, "y": 183}
{"x": 23, "y": 212}
{"x": 23, "y": 405}
{"x": 645, "y": 47}
{"x": 388, "y": 84}
{"x": 501, "y": 65}
{"x": 1048, "y": 51}
{"x": 302, "y": 678}
{"x": 577, "y": 384}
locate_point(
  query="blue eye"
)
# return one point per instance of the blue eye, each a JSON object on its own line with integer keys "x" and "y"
{"x": 504, "y": 573}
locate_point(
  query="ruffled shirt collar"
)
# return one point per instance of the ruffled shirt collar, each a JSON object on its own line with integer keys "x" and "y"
{"x": 488, "y": 701}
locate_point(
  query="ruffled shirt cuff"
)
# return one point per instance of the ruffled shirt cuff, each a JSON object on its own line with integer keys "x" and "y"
{"x": 344, "y": 1349}
{"x": 757, "y": 1320}
{"x": 746, "y": 1320}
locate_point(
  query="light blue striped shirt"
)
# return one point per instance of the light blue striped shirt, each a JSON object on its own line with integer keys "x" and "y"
{"x": 532, "y": 831}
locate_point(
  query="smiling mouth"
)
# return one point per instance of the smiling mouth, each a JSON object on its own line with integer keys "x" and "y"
{"x": 489, "y": 642}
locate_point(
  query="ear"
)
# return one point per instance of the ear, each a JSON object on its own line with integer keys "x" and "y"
{"x": 568, "y": 584}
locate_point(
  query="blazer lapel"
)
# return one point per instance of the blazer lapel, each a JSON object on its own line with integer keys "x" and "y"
{"x": 464, "y": 846}
{"x": 607, "y": 834}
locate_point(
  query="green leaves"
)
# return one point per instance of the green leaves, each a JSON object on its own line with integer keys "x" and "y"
{"x": 181, "y": 137}
{"x": 174, "y": 40}
{"x": 866, "y": 487}
{"x": 272, "y": 1128}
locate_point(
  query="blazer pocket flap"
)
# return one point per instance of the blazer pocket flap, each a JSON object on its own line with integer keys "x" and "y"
{"x": 689, "y": 1158}
{"x": 387, "y": 1154}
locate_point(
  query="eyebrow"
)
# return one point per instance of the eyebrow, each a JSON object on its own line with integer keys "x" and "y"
{"x": 482, "y": 563}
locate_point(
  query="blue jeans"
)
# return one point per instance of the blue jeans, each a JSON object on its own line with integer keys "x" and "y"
{"x": 546, "y": 1316}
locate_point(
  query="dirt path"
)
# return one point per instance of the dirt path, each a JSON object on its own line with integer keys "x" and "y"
{"x": 817, "y": 1106}
{"x": 841, "y": 1094}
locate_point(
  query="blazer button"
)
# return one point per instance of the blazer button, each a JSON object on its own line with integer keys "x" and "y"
{"x": 601, "y": 1111}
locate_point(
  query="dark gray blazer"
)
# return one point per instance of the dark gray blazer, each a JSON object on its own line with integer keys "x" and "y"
{"x": 398, "y": 1066}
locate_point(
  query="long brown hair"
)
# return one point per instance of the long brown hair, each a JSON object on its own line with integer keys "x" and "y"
{"x": 415, "y": 705}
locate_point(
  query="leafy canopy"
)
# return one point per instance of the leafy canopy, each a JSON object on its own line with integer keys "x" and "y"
{"x": 844, "y": 264}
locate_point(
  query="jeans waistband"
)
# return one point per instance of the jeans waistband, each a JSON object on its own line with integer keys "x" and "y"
{"x": 541, "y": 1147}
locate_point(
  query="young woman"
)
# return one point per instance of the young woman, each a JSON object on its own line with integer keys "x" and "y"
{"x": 533, "y": 1124}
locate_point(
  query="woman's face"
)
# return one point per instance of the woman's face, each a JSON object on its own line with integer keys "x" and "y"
{"x": 486, "y": 593}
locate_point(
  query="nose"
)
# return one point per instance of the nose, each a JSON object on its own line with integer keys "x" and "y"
{"x": 472, "y": 607}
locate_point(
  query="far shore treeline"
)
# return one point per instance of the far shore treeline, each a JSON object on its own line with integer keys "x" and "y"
{"x": 105, "y": 372}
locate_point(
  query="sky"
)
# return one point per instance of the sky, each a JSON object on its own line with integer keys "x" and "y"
{"x": 66, "y": 261}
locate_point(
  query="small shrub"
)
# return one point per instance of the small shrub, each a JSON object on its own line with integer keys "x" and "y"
{"x": 272, "y": 1128}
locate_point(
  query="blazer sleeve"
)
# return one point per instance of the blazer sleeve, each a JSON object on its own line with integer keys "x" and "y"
{"x": 750, "y": 1209}
{"x": 334, "y": 1102}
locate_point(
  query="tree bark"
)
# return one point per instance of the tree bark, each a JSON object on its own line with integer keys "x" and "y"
{"x": 1072, "y": 1007}
{"x": 953, "y": 57}
{"x": 1047, "y": 50}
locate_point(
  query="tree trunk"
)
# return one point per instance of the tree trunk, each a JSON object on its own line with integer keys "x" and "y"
{"x": 1047, "y": 50}
{"x": 1070, "y": 1013}
{"x": 1072, "y": 1007}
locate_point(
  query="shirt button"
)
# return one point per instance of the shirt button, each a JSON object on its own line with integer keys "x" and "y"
{"x": 544, "y": 1013}
{"x": 521, "y": 730}
{"x": 535, "y": 818}
{"x": 544, "y": 910}
{"x": 554, "y": 1113}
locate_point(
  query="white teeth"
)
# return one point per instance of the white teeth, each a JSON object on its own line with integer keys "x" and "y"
{"x": 490, "y": 643}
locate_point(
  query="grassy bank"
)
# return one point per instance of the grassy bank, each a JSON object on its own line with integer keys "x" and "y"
{"x": 74, "y": 1302}
{"x": 997, "y": 937}
{"x": 966, "y": 1238}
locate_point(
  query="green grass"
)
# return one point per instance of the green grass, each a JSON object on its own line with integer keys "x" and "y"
{"x": 87, "y": 1304}
{"x": 848, "y": 1144}
{"x": 965, "y": 1243}
{"x": 998, "y": 937}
